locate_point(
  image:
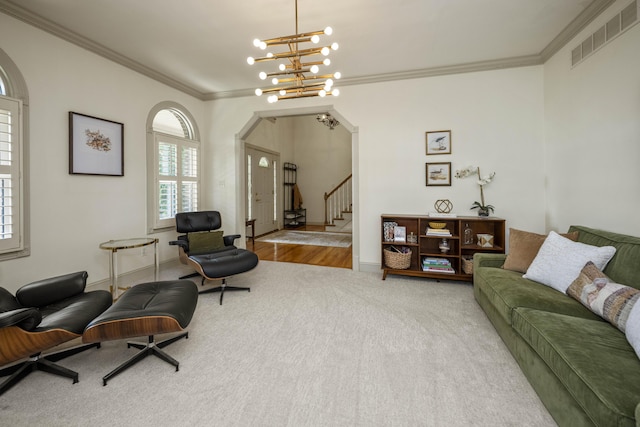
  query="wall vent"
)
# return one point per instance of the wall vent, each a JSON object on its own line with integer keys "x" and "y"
{"x": 609, "y": 31}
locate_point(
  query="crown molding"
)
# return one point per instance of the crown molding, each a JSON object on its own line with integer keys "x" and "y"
{"x": 587, "y": 16}
{"x": 521, "y": 61}
{"x": 593, "y": 10}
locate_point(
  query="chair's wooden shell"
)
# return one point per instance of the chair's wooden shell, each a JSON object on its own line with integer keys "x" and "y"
{"x": 129, "y": 328}
{"x": 18, "y": 343}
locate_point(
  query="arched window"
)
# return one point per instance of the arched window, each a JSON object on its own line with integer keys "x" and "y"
{"x": 174, "y": 167}
{"x": 14, "y": 119}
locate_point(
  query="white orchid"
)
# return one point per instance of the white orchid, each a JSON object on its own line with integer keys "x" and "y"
{"x": 487, "y": 179}
{"x": 482, "y": 181}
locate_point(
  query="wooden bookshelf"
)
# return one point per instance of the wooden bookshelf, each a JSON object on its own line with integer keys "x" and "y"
{"x": 427, "y": 245}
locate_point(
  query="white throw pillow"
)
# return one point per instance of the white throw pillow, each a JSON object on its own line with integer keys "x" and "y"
{"x": 633, "y": 328}
{"x": 560, "y": 260}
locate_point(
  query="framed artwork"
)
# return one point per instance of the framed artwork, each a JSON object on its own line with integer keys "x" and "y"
{"x": 439, "y": 142}
{"x": 400, "y": 234}
{"x": 439, "y": 174}
{"x": 96, "y": 146}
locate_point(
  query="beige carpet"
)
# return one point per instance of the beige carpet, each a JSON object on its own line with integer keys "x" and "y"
{"x": 308, "y": 346}
{"x": 314, "y": 238}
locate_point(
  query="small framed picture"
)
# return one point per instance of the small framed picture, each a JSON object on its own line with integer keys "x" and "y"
{"x": 400, "y": 234}
{"x": 439, "y": 142}
{"x": 96, "y": 146}
{"x": 438, "y": 174}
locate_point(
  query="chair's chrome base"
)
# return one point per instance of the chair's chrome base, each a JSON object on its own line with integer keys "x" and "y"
{"x": 222, "y": 288}
{"x": 45, "y": 364}
{"x": 151, "y": 348}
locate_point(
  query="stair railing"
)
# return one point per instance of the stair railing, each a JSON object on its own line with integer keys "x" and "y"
{"x": 338, "y": 201}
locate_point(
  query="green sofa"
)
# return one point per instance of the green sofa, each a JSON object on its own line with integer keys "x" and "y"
{"x": 582, "y": 367}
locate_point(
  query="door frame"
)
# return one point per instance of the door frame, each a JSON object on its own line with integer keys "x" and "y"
{"x": 278, "y": 184}
{"x": 240, "y": 142}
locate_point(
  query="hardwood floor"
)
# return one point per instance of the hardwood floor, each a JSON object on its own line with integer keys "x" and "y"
{"x": 303, "y": 254}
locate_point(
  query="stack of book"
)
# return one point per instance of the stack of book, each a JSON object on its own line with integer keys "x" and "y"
{"x": 440, "y": 232}
{"x": 437, "y": 265}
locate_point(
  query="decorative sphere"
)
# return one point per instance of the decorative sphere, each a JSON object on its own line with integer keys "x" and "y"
{"x": 443, "y": 206}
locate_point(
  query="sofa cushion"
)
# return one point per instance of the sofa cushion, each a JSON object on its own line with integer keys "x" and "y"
{"x": 623, "y": 267}
{"x": 591, "y": 358}
{"x": 616, "y": 303}
{"x": 507, "y": 290}
{"x": 524, "y": 246}
{"x": 560, "y": 260}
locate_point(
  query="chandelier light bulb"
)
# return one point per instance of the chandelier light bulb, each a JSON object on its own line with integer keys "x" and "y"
{"x": 334, "y": 46}
{"x": 258, "y": 92}
{"x": 273, "y": 98}
{"x": 315, "y": 39}
{"x": 282, "y": 67}
{"x": 263, "y": 45}
{"x": 328, "y": 31}
{"x": 335, "y": 92}
{"x": 262, "y": 75}
{"x": 315, "y": 69}
{"x": 250, "y": 60}
{"x": 326, "y": 62}
{"x": 274, "y": 81}
{"x": 269, "y": 55}
{"x": 329, "y": 82}
{"x": 322, "y": 93}
{"x": 337, "y": 75}
{"x": 325, "y": 51}
{"x": 256, "y": 42}
{"x": 283, "y": 92}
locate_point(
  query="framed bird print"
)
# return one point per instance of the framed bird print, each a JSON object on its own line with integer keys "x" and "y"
{"x": 438, "y": 174}
{"x": 439, "y": 142}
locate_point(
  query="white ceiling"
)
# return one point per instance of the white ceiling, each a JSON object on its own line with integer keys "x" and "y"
{"x": 201, "y": 46}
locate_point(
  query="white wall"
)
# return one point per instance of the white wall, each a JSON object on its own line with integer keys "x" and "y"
{"x": 592, "y": 132}
{"x": 323, "y": 157}
{"x": 496, "y": 120}
{"x": 72, "y": 214}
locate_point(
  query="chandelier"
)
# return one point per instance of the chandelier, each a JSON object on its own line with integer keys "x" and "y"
{"x": 295, "y": 78}
{"x": 328, "y": 120}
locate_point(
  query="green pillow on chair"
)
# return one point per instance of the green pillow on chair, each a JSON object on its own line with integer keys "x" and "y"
{"x": 203, "y": 242}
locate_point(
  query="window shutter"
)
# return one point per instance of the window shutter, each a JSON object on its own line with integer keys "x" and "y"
{"x": 10, "y": 226}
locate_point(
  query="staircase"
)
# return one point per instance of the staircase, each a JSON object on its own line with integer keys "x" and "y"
{"x": 341, "y": 225}
{"x": 337, "y": 207}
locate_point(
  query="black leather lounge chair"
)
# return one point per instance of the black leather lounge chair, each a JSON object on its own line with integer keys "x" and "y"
{"x": 213, "y": 255}
{"x": 42, "y": 315}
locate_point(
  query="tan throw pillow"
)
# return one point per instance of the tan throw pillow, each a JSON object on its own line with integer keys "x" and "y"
{"x": 204, "y": 242}
{"x": 524, "y": 246}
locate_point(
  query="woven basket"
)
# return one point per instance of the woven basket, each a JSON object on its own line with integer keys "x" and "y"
{"x": 397, "y": 260}
{"x": 467, "y": 265}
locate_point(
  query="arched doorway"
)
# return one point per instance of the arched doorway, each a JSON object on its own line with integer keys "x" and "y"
{"x": 270, "y": 115}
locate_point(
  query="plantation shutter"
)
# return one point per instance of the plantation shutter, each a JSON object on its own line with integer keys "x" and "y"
{"x": 178, "y": 178}
{"x": 10, "y": 184}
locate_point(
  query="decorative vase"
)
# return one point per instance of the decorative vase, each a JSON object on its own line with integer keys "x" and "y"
{"x": 444, "y": 246}
{"x": 468, "y": 235}
{"x": 483, "y": 212}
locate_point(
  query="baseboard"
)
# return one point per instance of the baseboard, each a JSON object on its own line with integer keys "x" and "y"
{"x": 368, "y": 267}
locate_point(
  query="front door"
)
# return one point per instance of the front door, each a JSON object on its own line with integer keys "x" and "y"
{"x": 262, "y": 173}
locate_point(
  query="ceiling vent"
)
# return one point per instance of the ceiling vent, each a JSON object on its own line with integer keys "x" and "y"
{"x": 609, "y": 31}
